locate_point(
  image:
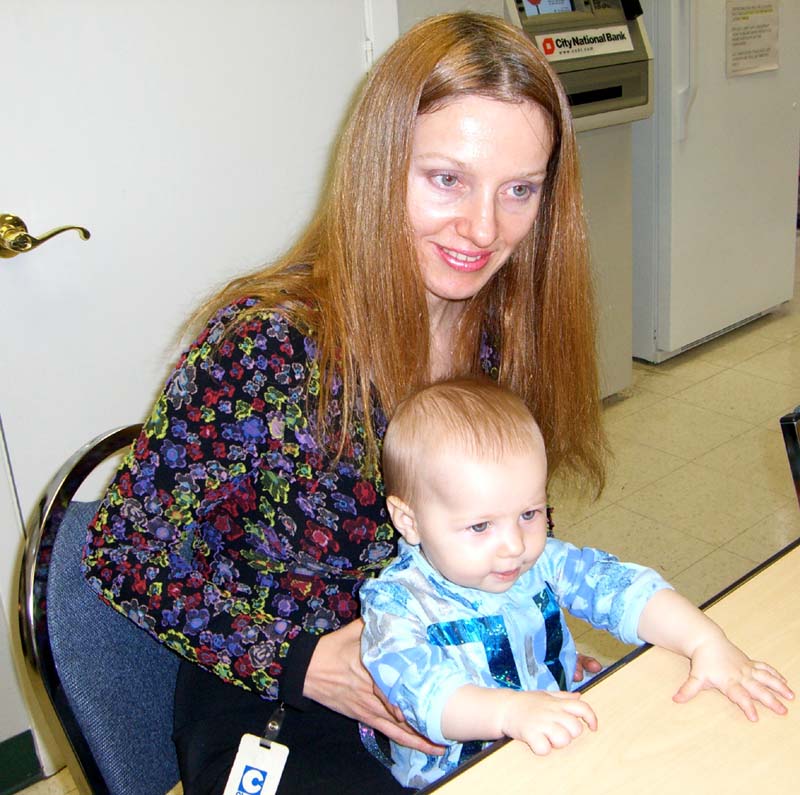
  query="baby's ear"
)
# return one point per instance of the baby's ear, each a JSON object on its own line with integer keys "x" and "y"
{"x": 403, "y": 519}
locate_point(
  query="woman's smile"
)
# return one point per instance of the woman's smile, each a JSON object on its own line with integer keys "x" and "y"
{"x": 463, "y": 260}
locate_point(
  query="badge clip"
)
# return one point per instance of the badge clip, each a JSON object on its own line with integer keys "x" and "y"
{"x": 273, "y": 727}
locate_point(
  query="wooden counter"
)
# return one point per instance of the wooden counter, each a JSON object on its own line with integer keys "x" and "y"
{"x": 646, "y": 743}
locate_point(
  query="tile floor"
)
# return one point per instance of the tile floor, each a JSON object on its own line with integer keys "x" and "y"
{"x": 59, "y": 784}
{"x": 699, "y": 487}
{"x": 62, "y": 783}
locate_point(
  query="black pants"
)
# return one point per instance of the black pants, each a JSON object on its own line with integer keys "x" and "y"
{"x": 325, "y": 750}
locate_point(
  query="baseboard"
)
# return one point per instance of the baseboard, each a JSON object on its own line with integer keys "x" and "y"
{"x": 19, "y": 765}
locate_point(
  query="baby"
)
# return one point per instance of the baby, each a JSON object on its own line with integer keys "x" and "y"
{"x": 464, "y": 630}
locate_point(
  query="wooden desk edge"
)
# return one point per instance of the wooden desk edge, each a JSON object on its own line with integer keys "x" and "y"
{"x": 621, "y": 663}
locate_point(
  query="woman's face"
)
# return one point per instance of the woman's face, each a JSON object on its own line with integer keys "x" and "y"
{"x": 474, "y": 186}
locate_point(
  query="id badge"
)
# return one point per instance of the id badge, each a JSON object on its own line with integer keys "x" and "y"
{"x": 257, "y": 769}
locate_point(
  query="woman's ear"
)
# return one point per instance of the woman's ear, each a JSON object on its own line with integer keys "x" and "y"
{"x": 403, "y": 519}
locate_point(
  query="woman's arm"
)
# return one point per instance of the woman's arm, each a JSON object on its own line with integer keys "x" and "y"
{"x": 337, "y": 679}
{"x": 669, "y": 620}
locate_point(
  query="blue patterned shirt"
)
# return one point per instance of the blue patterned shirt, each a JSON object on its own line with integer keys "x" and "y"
{"x": 425, "y": 637}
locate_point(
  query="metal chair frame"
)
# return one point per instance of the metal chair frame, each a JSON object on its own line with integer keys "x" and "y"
{"x": 34, "y": 633}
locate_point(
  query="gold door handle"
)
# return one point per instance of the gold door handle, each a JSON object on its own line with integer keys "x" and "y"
{"x": 14, "y": 237}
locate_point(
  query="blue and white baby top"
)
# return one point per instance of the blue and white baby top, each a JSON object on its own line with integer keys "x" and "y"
{"x": 425, "y": 637}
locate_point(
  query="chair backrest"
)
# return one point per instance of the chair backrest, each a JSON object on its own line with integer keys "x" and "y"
{"x": 790, "y": 425}
{"x": 109, "y": 682}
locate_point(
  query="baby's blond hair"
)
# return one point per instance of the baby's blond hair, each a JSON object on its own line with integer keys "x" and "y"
{"x": 463, "y": 415}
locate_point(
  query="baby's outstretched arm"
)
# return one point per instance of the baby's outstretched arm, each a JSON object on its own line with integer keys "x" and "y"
{"x": 669, "y": 620}
{"x": 542, "y": 719}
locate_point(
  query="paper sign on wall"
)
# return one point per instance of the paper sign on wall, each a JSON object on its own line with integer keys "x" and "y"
{"x": 751, "y": 40}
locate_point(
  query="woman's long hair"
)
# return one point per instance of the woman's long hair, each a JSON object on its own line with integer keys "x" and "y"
{"x": 362, "y": 292}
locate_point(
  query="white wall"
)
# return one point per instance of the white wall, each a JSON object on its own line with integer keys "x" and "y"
{"x": 215, "y": 133}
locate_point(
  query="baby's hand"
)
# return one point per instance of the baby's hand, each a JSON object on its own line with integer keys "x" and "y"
{"x": 546, "y": 720}
{"x": 717, "y": 663}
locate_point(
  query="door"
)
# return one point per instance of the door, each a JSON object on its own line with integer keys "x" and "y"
{"x": 191, "y": 139}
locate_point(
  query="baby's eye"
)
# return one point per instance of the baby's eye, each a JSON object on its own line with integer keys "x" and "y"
{"x": 480, "y": 527}
{"x": 528, "y": 515}
{"x": 446, "y": 180}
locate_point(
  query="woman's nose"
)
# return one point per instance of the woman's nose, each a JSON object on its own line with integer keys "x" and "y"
{"x": 478, "y": 220}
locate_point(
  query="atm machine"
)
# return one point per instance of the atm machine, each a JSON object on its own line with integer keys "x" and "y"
{"x": 602, "y": 55}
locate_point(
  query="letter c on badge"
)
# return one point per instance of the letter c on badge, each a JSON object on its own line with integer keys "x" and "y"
{"x": 252, "y": 780}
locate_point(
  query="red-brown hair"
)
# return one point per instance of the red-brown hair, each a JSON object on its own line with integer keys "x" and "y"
{"x": 362, "y": 292}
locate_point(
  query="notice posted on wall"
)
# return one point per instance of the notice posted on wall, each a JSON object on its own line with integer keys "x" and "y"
{"x": 751, "y": 43}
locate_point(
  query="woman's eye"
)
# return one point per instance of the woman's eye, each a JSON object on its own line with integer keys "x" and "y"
{"x": 521, "y": 191}
{"x": 528, "y": 515}
{"x": 446, "y": 180}
{"x": 480, "y": 527}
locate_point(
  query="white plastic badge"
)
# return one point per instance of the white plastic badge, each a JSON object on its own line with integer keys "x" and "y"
{"x": 256, "y": 770}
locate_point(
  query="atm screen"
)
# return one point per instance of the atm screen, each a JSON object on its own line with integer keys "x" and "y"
{"x": 534, "y": 7}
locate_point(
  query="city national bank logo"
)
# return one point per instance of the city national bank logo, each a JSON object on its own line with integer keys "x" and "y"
{"x": 584, "y": 43}
{"x": 252, "y": 782}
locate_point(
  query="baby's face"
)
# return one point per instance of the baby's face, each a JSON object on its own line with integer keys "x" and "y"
{"x": 483, "y": 523}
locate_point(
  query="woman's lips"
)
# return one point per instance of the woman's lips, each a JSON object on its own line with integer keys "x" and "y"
{"x": 466, "y": 261}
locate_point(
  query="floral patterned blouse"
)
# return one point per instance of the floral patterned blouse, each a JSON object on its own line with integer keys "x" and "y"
{"x": 228, "y": 533}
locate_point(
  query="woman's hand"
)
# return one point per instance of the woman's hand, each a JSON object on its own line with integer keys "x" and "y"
{"x": 585, "y": 663}
{"x": 336, "y": 679}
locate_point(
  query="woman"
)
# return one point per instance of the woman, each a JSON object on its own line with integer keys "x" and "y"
{"x": 450, "y": 241}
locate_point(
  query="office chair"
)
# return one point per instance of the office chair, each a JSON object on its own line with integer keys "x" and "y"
{"x": 110, "y": 683}
{"x": 790, "y": 425}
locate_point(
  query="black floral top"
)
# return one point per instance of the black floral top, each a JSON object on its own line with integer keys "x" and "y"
{"x": 228, "y": 533}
